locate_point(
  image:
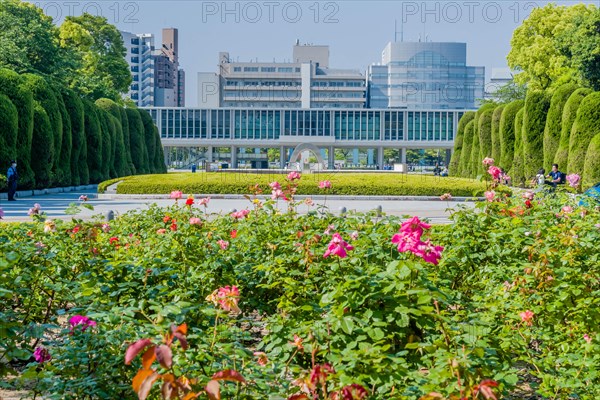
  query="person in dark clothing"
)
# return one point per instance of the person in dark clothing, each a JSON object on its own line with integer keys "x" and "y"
{"x": 12, "y": 177}
{"x": 556, "y": 177}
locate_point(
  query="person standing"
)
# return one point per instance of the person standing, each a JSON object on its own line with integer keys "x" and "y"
{"x": 12, "y": 177}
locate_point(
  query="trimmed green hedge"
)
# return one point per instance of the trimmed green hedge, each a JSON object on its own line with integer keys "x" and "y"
{"x": 79, "y": 169}
{"x": 475, "y": 158}
{"x": 507, "y": 134}
{"x": 127, "y": 141}
{"x": 485, "y": 133}
{"x": 149, "y": 140}
{"x": 453, "y": 168}
{"x": 9, "y": 126}
{"x": 591, "y": 169}
{"x": 537, "y": 104}
{"x": 139, "y": 154}
{"x": 64, "y": 165}
{"x": 586, "y": 126}
{"x": 42, "y": 150}
{"x": 11, "y": 85}
{"x": 159, "y": 155}
{"x": 496, "y": 137}
{"x": 552, "y": 131}
{"x": 342, "y": 184}
{"x": 465, "y": 158}
{"x": 120, "y": 157}
{"x": 93, "y": 136}
{"x": 517, "y": 174}
{"x": 568, "y": 119}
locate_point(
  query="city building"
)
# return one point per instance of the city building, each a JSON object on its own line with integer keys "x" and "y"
{"x": 141, "y": 63}
{"x": 425, "y": 75}
{"x": 157, "y": 77}
{"x": 305, "y": 81}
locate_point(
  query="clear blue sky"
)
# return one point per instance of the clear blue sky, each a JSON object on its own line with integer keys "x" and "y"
{"x": 356, "y": 31}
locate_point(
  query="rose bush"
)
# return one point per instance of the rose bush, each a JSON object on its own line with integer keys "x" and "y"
{"x": 503, "y": 301}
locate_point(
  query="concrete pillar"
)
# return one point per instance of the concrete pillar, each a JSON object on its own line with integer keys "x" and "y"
{"x": 380, "y": 160}
{"x": 370, "y": 156}
{"x": 282, "y": 157}
{"x": 331, "y": 158}
{"x": 209, "y": 154}
{"x": 234, "y": 163}
{"x": 355, "y": 158}
{"x": 403, "y": 155}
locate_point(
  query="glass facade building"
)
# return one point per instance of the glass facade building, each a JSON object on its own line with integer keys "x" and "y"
{"x": 425, "y": 75}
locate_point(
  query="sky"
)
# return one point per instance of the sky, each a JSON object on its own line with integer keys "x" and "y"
{"x": 355, "y": 30}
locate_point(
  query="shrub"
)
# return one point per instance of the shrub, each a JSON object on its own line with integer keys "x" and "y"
{"x": 149, "y": 140}
{"x": 44, "y": 94}
{"x": 107, "y": 131}
{"x": 42, "y": 149}
{"x": 9, "y": 126}
{"x": 79, "y": 169}
{"x": 537, "y": 104}
{"x": 465, "y": 158}
{"x": 64, "y": 164}
{"x": 453, "y": 168}
{"x": 507, "y": 134}
{"x": 121, "y": 164}
{"x": 485, "y": 133}
{"x": 568, "y": 119}
{"x": 136, "y": 140}
{"x": 517, "y": 173}
{"x": 159, "y": 156}
{"x": 127, "y": 141}
{"x": 475, "y": 159}
{"x": 347, "y": 184}
{"x": 22, "y": 98}
{"x": 93, "y": 137}
{"x": 586, "y": 126}
{"x": 496, "y": 138}
{"x": 591, "y": 169}
{"x": 552, "y": 131}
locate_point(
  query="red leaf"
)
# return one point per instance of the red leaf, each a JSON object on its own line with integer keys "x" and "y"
{"x": 146, "y": 386}
{"x": 298, "y": 396}
{"x": 229, "y": 375}
{"x": 213, "y": 390}
{"x": 135, "y": 348}
{"x": 182, "y": 340}
{"x": 164, "y": 355}
{"x": 190, "y": 396}
{"x": 181, "y": 329}
{"x": 148, "y": 358}
{"x": 485, "y": 388}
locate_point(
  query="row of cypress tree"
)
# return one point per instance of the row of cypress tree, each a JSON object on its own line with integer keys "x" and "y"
{"x": 524, "y": 136}
{"x": 60, "y": 139}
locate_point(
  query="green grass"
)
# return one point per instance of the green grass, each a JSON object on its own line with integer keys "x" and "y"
{"x": 377, "y": 184}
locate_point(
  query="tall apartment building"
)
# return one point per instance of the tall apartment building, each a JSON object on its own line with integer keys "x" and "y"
{"x": 141, "y": 63}
{"x": 158, "y": 79}
{"x": 425, "y": 75}
{"x": 306, "y": 81}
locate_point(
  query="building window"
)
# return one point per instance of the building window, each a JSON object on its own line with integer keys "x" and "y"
{"x": 285, "y": 69}
{"x": 250, "y": 69}
{"x": 297, "y": 69}
{"x": 135, "y": 41}
{"x": 267, "y": 69}
{"x": 237, "y": 69}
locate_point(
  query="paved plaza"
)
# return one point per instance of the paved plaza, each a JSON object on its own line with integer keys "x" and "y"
{"x": 54, "y": 205}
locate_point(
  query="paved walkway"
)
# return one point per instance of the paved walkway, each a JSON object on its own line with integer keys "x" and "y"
{"x": 54, "y": 206}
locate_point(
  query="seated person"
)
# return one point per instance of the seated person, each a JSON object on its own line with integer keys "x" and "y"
{"x": 556, "y": 177}
{"x": 540, "y": 178}
{"x": 444, "y": 172}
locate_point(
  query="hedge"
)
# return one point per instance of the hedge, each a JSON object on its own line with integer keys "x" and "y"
{"x": 136, "y": 140}
{"x": 496, "y": 138}
{"x": 9, "y": 127}
{"x": 568, "y": 119}
{"x": 517, "y": 172}
{"x": 485, "y": 133}
{"x": 127, "y": 141}
{"x": 342, "y": 184}
{"x": 120, "y": 163}
{"x": 79, "y": 170}
{"x": 453, "y": 168}
{"x": 93, "y": 136}
{"x": 591, "y": 169}
{"x": 42, "y": 149}
{"x": 586, "y": 126}
{"x": 465, "y": 158}
{"x": 507, "y": 134}
{"x": 552, "y": 130}
{"x": 149, "y": 140}
{"x": 475, "y": 157}
{"x": 64, "y": 165}
{"x": 536, "y": 108}
{"x": 106, "y": 135}
{"x": 43, "y": 94}
{"x": 159, "y": 155}
{"x": 22, "y": 98}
